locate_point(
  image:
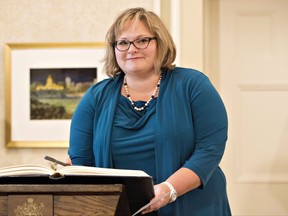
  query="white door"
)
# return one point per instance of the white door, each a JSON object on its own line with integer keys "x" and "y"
{"x": 253, "y": 81}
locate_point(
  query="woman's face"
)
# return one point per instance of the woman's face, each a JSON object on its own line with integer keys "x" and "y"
{"x": 134, "y": 60}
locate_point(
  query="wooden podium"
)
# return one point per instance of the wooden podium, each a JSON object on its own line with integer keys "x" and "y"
{"x": 71, "y": 196}
{"x": 52, "y": 200}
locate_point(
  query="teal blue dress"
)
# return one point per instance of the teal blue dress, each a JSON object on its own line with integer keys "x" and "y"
{"x": 185, "y": 126}
{"x": 133, "y": 137}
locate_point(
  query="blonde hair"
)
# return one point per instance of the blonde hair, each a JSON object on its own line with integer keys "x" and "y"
{"x": 166, "y": 50}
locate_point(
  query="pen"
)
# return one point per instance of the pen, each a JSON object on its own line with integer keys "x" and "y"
{"x": 56, "y": 161}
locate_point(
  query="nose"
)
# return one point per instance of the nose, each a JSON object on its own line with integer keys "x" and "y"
{"x": 132, "y": 48}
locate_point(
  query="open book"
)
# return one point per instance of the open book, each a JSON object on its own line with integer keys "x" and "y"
{"x": 138, "y": 184}
{"x": 144, "y": 186}
{"x": 32, "y": 169}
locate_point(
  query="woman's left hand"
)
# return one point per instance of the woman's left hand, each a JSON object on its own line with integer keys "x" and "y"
{"x": 160, "y": 191}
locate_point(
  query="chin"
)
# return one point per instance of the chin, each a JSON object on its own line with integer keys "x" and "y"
{"x": 134, "y": 69}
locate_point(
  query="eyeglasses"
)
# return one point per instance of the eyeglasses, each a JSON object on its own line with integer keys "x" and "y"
{"x": 140, "y": 43}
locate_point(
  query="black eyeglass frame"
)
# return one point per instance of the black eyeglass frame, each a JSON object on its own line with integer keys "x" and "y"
{"x": 132, "y": 42}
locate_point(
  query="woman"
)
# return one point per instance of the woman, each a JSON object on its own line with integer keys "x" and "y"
{"x": 150, "y": 115}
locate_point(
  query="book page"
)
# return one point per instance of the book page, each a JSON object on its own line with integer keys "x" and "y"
{"x": 85, "y": 170}
{"x": 32, "y": 169}
{"x": 28, "y": 169}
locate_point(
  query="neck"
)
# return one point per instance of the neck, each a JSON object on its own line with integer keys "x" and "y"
{"x": 142, "y": 92}
{"x": 142, "y": 85}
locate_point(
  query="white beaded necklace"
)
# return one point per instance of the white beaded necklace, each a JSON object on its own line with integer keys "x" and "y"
{"x": 147, "y": 102}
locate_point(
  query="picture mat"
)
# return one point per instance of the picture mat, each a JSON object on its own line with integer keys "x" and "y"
{"x": 22, "y": 60}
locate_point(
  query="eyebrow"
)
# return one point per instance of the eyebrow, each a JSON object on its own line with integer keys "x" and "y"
{"x": 139, "y": 36}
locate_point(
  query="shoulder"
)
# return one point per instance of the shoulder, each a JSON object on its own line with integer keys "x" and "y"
{"x": 102, "y": 92}
{"x": 99, "y": 86}
{"x": 186, "y": 76}
{"x": 105, "y": 86}
{"x": 188, "y": 73}
{"x": 189, "y": 80}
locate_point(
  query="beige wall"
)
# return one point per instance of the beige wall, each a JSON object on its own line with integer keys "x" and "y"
{"x": 192, "y": 34}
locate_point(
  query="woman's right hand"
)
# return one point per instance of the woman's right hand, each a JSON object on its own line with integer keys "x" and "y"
{"x": 68, "y": 161}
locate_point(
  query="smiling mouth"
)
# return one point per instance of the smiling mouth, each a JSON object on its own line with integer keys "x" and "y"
{"x": 134, "y": 58}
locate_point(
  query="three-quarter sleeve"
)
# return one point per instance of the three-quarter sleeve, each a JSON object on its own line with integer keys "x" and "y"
{"x": 210, "y": 129}
{"x": 81, "y": 132}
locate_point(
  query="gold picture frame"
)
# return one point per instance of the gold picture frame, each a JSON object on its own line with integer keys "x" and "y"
{"x": 21, "y": 131}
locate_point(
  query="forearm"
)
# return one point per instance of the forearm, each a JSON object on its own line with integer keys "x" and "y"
{"x": 184, "y": 180}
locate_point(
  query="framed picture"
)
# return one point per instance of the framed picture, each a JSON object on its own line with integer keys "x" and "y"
{"x": 44, "y": 84}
